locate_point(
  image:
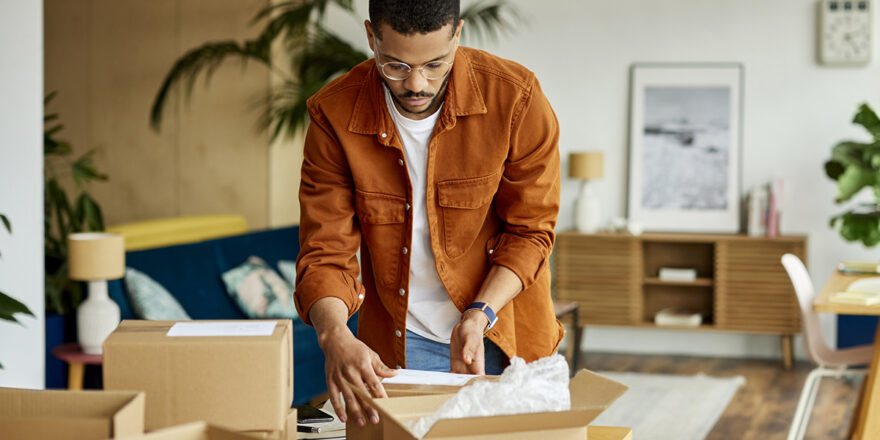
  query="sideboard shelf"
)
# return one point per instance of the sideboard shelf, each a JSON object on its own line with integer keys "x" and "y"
{"x": 741, "y": 285}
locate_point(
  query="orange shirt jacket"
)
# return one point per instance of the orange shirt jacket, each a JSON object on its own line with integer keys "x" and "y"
{"x": 492, "y": 199}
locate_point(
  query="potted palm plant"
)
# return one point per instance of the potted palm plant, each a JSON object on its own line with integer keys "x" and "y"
{"x": 855, "y": 166}
{"x": 9, "y": 307}
{"x": 317, "y": 55}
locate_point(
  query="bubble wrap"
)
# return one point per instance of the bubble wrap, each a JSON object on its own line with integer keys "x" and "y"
{"x": 540, "y": 386}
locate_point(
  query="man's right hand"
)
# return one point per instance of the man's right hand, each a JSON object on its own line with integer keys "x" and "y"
{"x": 346, "y": 358}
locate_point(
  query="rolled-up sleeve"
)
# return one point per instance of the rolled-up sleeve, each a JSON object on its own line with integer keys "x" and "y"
{"x": 528, "y": 195}
{"x": 329, "y": 234}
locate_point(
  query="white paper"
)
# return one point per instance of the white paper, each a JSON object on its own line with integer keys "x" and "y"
{"x": 420, "y": 377}
{"x": 260, "y": 328}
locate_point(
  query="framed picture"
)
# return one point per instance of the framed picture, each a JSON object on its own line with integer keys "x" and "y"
{"x": 684, "y": 149}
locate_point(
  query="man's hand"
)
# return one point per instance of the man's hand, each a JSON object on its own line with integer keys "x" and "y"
{"x": 466, "y": 351}
{"x": 348, "y": 359}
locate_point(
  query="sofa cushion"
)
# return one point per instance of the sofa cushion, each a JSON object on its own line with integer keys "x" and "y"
{"x": 150, "y": 300}
{"x": 259, "y": 291}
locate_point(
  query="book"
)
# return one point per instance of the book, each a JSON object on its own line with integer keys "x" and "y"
{"x": 680, "y": 317}
{"x": 859, "y": 267}
{"x": 677, "y": 274}
{"x": 853, "y": 297}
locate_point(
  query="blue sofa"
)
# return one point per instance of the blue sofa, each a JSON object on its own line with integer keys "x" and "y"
{"x": 191, "y": 272}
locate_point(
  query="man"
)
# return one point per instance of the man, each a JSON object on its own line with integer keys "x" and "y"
{"x": 441, "y": 165}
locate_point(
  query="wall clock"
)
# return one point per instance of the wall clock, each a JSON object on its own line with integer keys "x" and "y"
{"x": 845, "y": 32}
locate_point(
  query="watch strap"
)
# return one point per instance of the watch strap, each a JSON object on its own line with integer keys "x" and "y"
{"x": 484, "y": 307}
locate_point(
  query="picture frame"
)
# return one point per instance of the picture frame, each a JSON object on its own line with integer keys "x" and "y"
{"x": 685, "y": 135}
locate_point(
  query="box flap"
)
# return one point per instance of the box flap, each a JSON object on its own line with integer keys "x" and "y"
{"x": 41, "y": 428}
{"x": 590, "y": 390}
{"x": 59, "y": 403}
{"x": 129, "y": 420}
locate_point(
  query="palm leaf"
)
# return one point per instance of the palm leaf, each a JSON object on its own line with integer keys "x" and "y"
{"x": 6, "y": 223}
{"x": 489, "y": 19}
{"x": 88, "y": 213}
{"x": 203, "y": 59}
{"x": 9, "y": 307}
{"x": 84, "y": 169}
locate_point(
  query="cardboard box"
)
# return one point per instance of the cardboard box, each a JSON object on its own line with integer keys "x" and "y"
{"x": 192, "y": 431}
{"x": 590, "y": 395}
{"x": 73, "y": 415}
{"x": 244, "y": 383}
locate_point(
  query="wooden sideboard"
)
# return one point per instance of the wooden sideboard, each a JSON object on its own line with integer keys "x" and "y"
{"x": 741, "y": 285}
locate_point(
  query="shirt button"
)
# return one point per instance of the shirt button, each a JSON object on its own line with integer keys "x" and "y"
{"x": 405, "y": 251}
{"x": 361, "y": 296}
{"x": 397, "y": 333}
{"x": 401, "y": 292}
{"x": 398, "y": 366}
{"x": 384, "y": 135}
{"x": 491, "y": 251}
{"x": 408, "y": 206}
{"x": 400, "y": 162}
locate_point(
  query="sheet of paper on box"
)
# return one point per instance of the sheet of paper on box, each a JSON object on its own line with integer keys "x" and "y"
{"x": 419, "y": 377}
{"x": 260, "y": 328}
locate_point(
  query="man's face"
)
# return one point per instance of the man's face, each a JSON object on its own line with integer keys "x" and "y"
{"x": 415, "y": 97}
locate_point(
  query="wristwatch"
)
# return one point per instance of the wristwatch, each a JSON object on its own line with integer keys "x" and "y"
{"x": 484, "y": 307}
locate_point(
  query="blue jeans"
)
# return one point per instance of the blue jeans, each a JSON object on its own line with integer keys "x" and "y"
{"x": 425, "y": 354}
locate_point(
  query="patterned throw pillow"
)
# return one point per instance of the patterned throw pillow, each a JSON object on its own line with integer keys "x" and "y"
{"x": 288, "y": 270}
{"x": 150, "y": 300}
{"x": 259, "y": 291}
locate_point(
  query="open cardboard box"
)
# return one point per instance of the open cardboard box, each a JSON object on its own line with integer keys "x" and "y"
{"x": 192, "y": 431}
{"x": 70, "y": 415}
{"x": 590, "y": 395}
{"x": 244, "y": 383}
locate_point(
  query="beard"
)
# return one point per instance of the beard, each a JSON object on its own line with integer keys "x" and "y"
{"x": 397, "y": 98}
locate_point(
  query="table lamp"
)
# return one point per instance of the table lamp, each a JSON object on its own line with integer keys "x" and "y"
{"x": 96, "y": 257}
{"x": 586, "y": 166}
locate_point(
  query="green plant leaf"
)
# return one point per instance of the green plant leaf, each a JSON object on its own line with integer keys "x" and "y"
{"x": 868, "y": 119}
{"x": 84, "y": 170}
{"x": 488, "y": 20}
{"x": 834, "y": 169}
{"x": 860, "y": 226}
{"x": 9, "y": 307}
{"x": 91, "y": 217}
{"x": 853, "y": 179}
{"x": 6, "y": 223}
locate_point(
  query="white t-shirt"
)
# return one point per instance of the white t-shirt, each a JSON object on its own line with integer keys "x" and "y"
{"x": 430, "y": 313}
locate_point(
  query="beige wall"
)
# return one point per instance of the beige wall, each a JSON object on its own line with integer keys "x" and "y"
{"x": 107, "y": 59}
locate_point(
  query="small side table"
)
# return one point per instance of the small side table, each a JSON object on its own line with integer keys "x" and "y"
{"x": 572, "y": 309}
{"x": 72, "y": 354}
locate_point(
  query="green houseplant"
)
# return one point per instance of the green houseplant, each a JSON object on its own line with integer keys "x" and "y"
{"x": 9, "y": 307}
{"x": 316, "y": 55}
{"x": 64, "y": 214}
{"x": 855, "y": 166}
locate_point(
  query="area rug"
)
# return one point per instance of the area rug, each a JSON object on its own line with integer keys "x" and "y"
{"x": 661, "y": 407}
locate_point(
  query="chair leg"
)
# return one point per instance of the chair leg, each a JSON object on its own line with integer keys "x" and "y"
{"x": 805, "y": 405}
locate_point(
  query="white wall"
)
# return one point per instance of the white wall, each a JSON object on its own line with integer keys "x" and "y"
{"x": 794, "y": 112}
{"x": 21, "y": 189}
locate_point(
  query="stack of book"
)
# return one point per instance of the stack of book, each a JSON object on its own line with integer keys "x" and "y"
{"x": 859, "y": 267}
{"x": 764, "y": 209}
{"x": 851, "y": 297}
{"x": 678, "y": 317}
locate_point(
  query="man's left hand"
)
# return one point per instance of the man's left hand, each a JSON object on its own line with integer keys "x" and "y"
{"x": 466, "y": 351}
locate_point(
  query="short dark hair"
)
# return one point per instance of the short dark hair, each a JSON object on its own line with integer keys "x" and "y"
{"x": 414, "y": 16}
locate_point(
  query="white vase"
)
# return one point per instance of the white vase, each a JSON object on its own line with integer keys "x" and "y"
{"x": 586, "y": 210}
{"x": 97, "y": 317}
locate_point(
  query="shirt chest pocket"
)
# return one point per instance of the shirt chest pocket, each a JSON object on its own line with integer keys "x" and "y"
{"x": 464, "y": 204}
{"x": 382, "y": 217}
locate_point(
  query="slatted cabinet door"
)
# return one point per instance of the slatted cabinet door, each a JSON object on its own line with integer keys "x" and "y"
{"x": 603, "y": 274}
{"x": 753, "y": 293}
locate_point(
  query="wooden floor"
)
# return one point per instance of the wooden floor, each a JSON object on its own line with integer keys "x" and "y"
{"x": 763, "y": 408}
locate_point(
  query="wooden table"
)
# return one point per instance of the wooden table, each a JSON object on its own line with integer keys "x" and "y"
{"x": 866, "y": 423}
{"x": 76, "y": 360}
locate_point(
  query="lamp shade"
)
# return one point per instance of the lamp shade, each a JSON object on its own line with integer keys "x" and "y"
{"x": 96, "y": 256}
{"x": 585, "y": 165}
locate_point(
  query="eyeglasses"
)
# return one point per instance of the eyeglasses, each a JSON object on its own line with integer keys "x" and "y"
{"x": 398, "y": 71}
